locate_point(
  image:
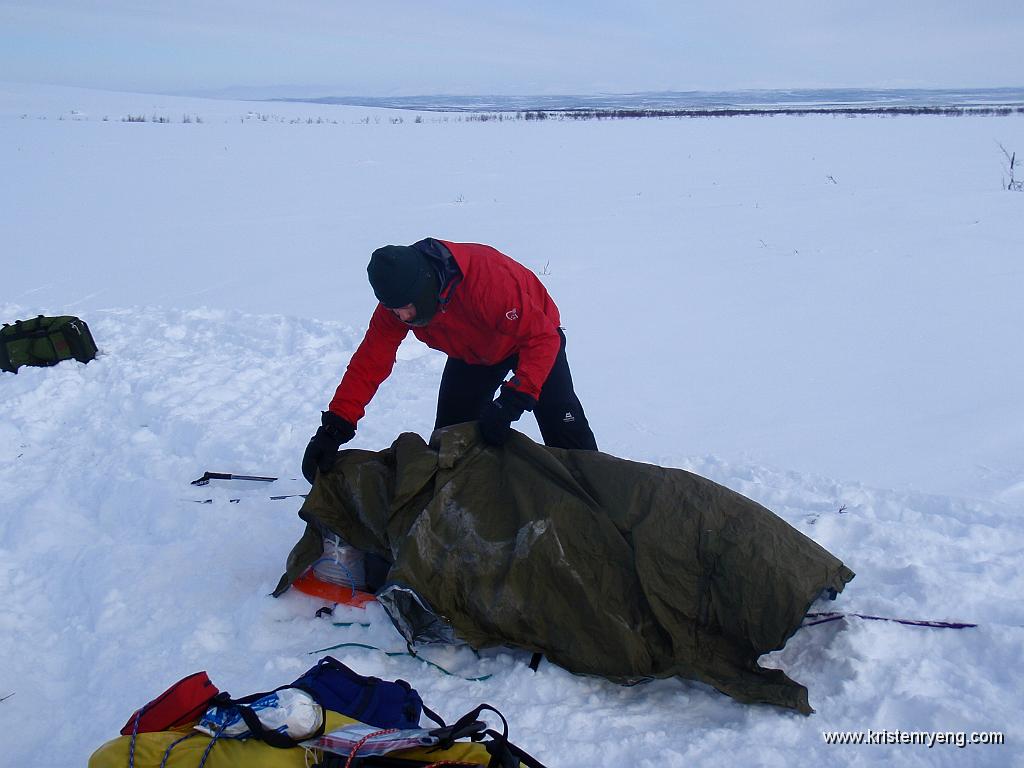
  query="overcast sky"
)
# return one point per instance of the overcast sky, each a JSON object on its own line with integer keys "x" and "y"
{"x": 411, "y": 47}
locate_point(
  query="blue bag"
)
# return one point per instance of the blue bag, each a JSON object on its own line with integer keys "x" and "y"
{"x": 369, "y": 700}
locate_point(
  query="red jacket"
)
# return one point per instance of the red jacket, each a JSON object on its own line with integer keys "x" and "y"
{"x": 499, "y": 308}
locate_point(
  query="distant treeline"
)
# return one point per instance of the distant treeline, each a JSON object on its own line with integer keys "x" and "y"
{"x": 622, "y": 114}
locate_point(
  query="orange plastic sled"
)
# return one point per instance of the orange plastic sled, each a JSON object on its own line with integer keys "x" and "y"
{"x": 309, "y": 584}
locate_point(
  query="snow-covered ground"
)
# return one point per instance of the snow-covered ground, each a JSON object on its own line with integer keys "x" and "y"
{"x": 821, "y": 313}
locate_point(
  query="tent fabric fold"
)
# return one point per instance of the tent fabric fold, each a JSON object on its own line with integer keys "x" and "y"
{"x": 606, "y": 566}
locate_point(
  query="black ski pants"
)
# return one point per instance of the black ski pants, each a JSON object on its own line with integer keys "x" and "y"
{"x": 466, "y": 389}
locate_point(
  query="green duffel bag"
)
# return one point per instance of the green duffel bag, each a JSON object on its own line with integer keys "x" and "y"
{"x": 45, "y": 341}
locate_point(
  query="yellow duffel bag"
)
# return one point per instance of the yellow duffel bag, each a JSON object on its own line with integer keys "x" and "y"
{"x": 187, "y": 749}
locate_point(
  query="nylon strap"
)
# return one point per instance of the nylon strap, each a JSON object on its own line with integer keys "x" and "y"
{"x": 35, "y": 333}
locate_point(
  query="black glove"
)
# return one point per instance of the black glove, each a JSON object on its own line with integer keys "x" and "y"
{"x": 324, "y": 444}
{"x": 496, "y": 419}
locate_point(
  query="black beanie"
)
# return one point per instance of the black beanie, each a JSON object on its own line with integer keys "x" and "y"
{"x": 401, "y": 275}
{"x": 397, "y": 274}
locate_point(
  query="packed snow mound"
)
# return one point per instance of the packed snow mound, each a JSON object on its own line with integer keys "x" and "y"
{"x": 115, "y": 582}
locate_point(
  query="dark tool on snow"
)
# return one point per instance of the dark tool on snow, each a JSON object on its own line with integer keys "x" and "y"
{"x": 208, "y": 476}
{"x": 824, "y": 618}
{"x": 239, "y": 501}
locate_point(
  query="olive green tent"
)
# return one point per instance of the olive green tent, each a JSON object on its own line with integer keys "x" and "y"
{"x": 606, "y": 566}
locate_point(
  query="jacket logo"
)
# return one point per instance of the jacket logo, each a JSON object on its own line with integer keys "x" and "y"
{"x": 512, "y": 314}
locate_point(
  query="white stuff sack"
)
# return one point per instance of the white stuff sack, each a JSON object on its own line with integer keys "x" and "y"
{"x": 290, "y": 711}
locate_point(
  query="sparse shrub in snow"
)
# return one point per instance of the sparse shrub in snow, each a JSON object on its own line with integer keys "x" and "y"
{"x": 1012, "y": 184}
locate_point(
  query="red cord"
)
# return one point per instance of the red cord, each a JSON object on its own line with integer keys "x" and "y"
{"x": 362, "y": 741}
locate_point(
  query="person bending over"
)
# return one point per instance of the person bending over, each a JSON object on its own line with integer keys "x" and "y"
{"x": 491, "y": 316}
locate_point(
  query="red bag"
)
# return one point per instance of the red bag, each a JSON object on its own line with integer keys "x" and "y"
{"x": 179, "y": 705}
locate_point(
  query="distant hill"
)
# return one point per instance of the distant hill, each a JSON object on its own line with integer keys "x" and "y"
{"x": 831, "y": 98}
